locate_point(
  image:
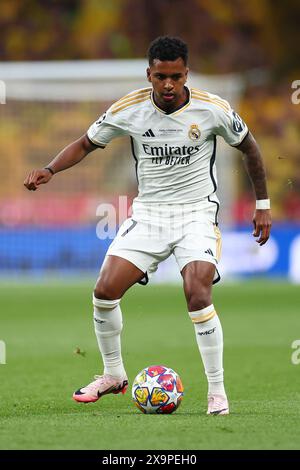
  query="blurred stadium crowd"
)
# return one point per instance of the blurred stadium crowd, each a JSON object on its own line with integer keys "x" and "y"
{"x": 258, "y": 39}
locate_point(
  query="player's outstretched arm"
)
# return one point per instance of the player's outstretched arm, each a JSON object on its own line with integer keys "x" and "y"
{"x": 254, "y": 165}
{"x": 68, "y": 157}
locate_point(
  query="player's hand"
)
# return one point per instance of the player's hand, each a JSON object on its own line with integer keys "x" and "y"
{"x": 262, "y": 222}
{"x": 37, "y": 177}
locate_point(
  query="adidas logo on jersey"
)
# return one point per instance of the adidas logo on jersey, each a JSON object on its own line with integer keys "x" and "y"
{"x": 149, "y": 133}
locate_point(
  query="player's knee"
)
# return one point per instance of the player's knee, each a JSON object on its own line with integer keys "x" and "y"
{"x": 105, "y": 304}
{"x": 104, "y": 297}
{"x": 105, "y": 292}
{"x": 198, "y": 298}
{"x": 198, "y": 304}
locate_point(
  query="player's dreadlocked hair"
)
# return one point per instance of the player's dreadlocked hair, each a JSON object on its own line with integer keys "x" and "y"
{"x": 167, "y": 48}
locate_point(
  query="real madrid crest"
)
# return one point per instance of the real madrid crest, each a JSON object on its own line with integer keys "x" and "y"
{"x": 194, "y": 132}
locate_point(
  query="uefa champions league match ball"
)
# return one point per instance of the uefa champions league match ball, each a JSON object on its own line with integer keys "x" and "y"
{"x": 157, "y": 389}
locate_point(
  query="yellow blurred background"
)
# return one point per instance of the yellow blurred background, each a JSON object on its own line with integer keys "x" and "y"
{"x": 259, "y": 40}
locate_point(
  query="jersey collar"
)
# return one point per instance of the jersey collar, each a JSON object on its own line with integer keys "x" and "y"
{"x": 178, "y": 110}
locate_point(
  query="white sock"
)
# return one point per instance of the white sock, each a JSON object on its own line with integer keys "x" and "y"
{"x": 108, "y": 327}
{"x": 209, "y": 337}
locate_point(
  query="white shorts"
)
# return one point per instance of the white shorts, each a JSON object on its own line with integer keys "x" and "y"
{"x": 154, "y": 232}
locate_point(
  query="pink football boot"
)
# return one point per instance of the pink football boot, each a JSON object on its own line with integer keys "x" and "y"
{"x": 102, "y": 385}
{"x": 217, "y": 405}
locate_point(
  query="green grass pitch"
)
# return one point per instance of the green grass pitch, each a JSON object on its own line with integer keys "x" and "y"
{"x": 42, "y": 325}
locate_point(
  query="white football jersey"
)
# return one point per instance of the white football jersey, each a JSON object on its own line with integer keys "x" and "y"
{"x": 174, "y": 153}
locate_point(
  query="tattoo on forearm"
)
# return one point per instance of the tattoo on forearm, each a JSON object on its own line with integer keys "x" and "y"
{"x": 256, "y": 171}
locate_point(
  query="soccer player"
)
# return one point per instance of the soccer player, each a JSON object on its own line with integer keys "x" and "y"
{"x": 173, "y": 130}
